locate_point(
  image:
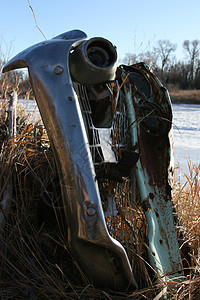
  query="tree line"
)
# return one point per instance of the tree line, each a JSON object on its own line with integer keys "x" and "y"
{"x": 161, "y": 59}
{"x": 172, "y": 72}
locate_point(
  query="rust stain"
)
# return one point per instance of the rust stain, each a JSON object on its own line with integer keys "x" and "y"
{"x": 146, "y": 205}
{"x": 154, "y": 119}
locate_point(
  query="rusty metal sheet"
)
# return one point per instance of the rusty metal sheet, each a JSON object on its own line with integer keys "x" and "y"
{"x": 150, "y": 121}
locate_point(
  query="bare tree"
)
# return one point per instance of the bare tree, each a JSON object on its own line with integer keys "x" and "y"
{"x": 130, "y": 59}
{"x": 150, "y": 58}
{"x": 192, "y": 49}
{"x": 164, "y": 50}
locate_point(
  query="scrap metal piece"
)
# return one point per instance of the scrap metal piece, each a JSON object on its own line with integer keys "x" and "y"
{"x": 101, "y": 258}
{"x": 93, "y": 61}
{"x": 106, "y": 144}
{"x": 150, "y": 121}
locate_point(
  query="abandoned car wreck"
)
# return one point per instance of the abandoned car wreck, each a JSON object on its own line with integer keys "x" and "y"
{"x": 109, "y": 128}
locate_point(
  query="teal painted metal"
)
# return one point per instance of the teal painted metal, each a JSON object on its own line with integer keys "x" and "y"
{"x": 150, "y": 138}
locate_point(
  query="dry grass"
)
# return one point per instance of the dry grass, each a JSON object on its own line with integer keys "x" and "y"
{"x": 185, "y": 96}
{"x": 35, "y": 260}
{"x": 186, "y": 198}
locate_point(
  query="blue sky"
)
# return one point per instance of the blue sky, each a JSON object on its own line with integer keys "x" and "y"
{"x": 133, "y": 26}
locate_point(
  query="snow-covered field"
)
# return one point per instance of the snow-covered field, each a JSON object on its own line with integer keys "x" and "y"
{"x": 186, "y": 132}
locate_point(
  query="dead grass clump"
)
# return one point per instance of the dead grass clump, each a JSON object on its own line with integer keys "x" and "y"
{"x": 186, "y": 201}
{"x": 35, "y": 261}
{"x": 185, "y": 96}
{"x": 186, "y": 198}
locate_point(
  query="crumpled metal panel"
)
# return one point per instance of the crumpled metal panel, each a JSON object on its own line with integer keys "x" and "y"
{"x": 150, "y": 120}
